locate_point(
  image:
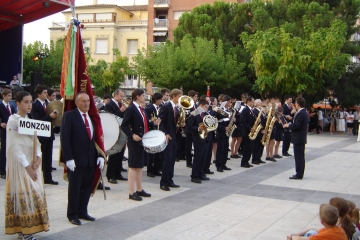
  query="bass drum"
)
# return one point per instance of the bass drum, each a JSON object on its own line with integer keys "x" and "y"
{"x": 114, "y": 138}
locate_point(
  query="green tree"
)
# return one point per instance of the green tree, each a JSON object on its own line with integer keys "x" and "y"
{"x": 106, "y": 77}
{"x": 195, "y": 64}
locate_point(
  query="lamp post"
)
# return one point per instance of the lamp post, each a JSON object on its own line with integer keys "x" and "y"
{"x": 40, "y": 56}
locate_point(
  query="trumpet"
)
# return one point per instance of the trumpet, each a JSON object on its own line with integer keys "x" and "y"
{"x": 126, "y": 102}
{"x": 219, "y": 110}
{"x": 185, "y": 102}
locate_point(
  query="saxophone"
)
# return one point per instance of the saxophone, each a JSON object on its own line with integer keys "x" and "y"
{"x": 257, "y": 126}
{"x": 231, "y": 124}
{"x": 270, "y": 121}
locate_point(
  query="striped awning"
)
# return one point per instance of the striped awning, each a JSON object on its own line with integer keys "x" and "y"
{"x": 160, "y": 33}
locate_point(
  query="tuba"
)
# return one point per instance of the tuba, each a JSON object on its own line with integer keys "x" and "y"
{"x": 185, "y": 102}
{"x": 257, "y": 126}
{"x": 211, "y": 125}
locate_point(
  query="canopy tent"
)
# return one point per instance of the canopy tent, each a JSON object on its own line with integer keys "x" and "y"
{"x": 13, "y": 15}
{"x": 17, "y": 12}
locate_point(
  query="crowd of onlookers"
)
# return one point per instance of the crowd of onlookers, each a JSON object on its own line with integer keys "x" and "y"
{"x": 336, "y": 121}
{"x": 340, "y": 219}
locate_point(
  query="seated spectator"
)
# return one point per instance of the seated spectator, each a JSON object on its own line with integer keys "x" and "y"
{"x": 344, "y": 220}
{"x": 328, "y": 217}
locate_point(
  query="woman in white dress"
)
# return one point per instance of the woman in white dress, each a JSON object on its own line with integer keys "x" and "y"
{"x": 25, "y": 208}
{"x": 341, "y": 121}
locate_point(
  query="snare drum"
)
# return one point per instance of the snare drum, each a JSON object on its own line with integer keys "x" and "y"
{"x": 114, "y": 138}
{"x": 154, "y": 141}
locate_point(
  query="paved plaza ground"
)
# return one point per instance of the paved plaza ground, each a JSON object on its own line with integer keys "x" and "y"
{"x": 257, "y": 203}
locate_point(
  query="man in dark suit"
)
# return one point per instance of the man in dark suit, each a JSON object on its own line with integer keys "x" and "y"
{"x": 222, "y": 139}
{"x": 114, "y": 165}
{"x": 154, "y": 164}
{"x": 248, "y": 118}
{"x": 169, "y": 116}
{"x": 5, "y": 111}
{"x": 200, "y": 144}
{"x": 38, "y": 113}
{"x": 288, "y": 111}
{"x": 77, "y": 138}
{"x": 299, "y": 136}
{"x": 188, "y": 132}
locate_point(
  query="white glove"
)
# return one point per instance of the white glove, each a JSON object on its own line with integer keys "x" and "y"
{"x": 71, "y": 165}
{"x": 100, "y": 162}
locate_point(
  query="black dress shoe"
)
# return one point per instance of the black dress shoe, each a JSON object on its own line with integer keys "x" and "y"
{"x": 195, "y": 180}
{"x": 250, "y": 165}
{"x": 149, "y": 174}
{"x": 272, "y": 160}
{"x": 3, "y": 176}
{"x": 245, "y": 166}
{"x": 53, "y": 169}
{"x": 208, "y": 171}
{"x": 75, "y": 221}
{"x": 295, "y": 177}
{"x": 204, "y": 178}
{"x": 261, "y": 161}
{"x": 228, "y": 158}
{"x": 214, "y": 161}
{"x": 100, "y": 187}
{"x": 165, "y": 188}
{"x": 157, "y": 174}
{"x": 51, "y": 182}
{"x": 226, "y": 168}
{"x": 277, "y": 156}
{"x": 287, "y": 155}
{"x": 219, "y": 169}
{"x": 87, "y": 217}
{"x": 189, "y": 165}
{"x": 113, "y": 181}
{"x": 255, "y": 162}
{"x": 173, "y": 185}
{"x": 121, "y": 178}
{"x": 135, "y": 197}
{"x": 143, "y": 193}
{"x": 234, "y": 156}
{"x": 123, "y": 170}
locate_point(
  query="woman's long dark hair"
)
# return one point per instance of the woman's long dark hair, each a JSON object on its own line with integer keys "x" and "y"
{"x": 345, "y": 221}
{"x": 135, "y": 94}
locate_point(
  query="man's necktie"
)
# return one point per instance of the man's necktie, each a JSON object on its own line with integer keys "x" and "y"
{"x": 8, "y": 109}
{"x": 44, "y": 105}
{"x": 87, "y": 126}
{"x": 146, "y": 128}
{"x": 119, "y": 104}
{"x": 175, "y": 114}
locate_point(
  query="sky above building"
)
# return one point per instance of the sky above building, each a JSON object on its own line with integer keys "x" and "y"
{"x": 39, "y": 30}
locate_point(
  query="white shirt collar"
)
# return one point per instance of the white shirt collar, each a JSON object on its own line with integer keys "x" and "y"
{"x": 172, "y": 104}
{"x": 42, "y": 102}
{"x": 6, "y": 103}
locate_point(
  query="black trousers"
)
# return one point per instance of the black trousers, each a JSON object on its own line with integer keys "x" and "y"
{"x": 210, "y": 142}
{"x": 79, "y": 191}
{"x": 222, "y": 152}
{"x": 356, "y": 127}
{"x": 199, "y": 159}
{"x": 258, "y": 148}
{"x": 181, "y": 142}
{"x": 299, "y": 154}
{"x": 247, "y": 150}
{"x": 46, "y": 150}
{"x": 188, "y": 148}
{"x": 168, "y": 163}
{"x": 155, "y": 162}
{"x": 3, "y": 152}
{"x": 286, "y": 141}
{"x": 114, "y": 164}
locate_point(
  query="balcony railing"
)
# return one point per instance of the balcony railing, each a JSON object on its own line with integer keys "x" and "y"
{"x": 158, "y": 43}
{"x": 133, "y": 23}
{"x": 161, "y": 3}
{"x": 58, "y": 24}
{"x": 161, "y": 23}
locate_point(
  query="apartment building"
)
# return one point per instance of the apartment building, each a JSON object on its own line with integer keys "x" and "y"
{"x": 109, "y": 26}
{"x": 164, "y": 17}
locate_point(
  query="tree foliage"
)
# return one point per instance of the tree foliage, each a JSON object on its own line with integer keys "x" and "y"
{"x": 194, "y": 64}
{"x": 51, "y": 66}
{"x": 106, "y": 77}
